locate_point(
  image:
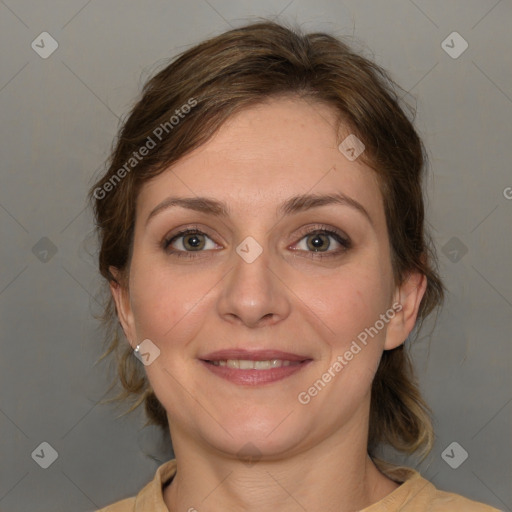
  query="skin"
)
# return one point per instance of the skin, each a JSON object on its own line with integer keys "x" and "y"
{"x": 314, "y": 456}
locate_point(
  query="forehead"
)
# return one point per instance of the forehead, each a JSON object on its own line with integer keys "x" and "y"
{"x": 264, "y": 154}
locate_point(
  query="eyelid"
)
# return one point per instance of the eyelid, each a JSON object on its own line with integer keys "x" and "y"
{"x": 341, "y": 238}
{"x": 330, "y": 230}
{"x": 182, "y": 231}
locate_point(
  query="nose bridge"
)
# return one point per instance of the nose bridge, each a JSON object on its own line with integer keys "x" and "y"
{"x": 252, "y": 292}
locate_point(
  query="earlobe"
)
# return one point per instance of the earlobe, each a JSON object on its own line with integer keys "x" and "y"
{"x": 121, "y": 297}
{"x": 408, "y": 296}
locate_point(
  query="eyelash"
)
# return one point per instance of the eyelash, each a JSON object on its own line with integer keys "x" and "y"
{"x": 342, "y": 239}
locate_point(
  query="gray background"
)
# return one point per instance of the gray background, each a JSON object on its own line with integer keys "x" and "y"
{"x": 59, "y": 116}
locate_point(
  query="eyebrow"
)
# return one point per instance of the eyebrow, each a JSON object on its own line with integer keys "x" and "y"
{"x": 292, "y": 205}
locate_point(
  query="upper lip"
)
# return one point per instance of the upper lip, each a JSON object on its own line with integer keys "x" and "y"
{"x": 252, "y": 355}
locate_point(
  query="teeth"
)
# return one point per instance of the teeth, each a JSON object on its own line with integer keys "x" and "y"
{"x": 245, "y": 364}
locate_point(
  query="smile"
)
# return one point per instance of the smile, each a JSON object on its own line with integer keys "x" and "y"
{"x": 253, "y": 372}
{"x": 245, "y": 364}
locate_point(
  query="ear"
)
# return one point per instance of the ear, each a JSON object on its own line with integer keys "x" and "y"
{"x": 121, "y": 296}
{"x": 406, "y": 305}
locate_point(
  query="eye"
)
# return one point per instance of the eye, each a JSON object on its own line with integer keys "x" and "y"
{"x": 318, "y": 240}
{"x": 187, "y": 241}
{"x": 323, "y": 240}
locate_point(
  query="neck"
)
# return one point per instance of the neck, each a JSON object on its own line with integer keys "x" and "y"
{"x": 334, "y": 475}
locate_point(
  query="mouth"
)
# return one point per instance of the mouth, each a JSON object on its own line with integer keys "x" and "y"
{"x": 246, "y": 364}
{"x": 252, "y": 368}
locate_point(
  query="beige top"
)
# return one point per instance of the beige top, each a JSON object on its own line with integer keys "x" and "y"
{"x": 415, "y": 494}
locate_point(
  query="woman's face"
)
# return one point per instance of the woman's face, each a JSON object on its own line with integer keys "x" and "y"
{"x": 267, "y": 272}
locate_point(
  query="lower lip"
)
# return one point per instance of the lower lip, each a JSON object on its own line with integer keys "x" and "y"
{"x": 254, "y": 377}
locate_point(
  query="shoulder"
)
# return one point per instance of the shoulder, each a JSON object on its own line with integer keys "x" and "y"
{"x": 417, "y": 494}
{"x": 443, "y": 501}
{"x": 150, "y": 498}
{"x": 120, "y": 506}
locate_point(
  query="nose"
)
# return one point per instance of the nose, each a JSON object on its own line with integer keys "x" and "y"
{"x": 253, "y": 293}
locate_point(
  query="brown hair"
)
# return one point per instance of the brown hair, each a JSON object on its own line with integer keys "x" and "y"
{"x": 222, "y": 76}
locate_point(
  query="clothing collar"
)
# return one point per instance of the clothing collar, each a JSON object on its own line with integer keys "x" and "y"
{"x": 151, "y": 497}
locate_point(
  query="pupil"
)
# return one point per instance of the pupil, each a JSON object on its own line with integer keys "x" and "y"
{"x": 317, "y": 242}
{"x": 194, "y": 241}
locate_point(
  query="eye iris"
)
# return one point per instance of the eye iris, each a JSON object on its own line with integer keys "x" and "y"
{"x": 315, "y": 242}
{"x": 193, "y": 241}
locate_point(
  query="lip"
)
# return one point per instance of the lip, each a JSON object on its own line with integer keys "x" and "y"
{"x": 253, "y": 377}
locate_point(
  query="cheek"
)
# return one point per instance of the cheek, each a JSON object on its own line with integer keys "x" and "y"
{"x": 167, "y": 305}
{"x": 349, "y": 302}
{"x": 351, "y": 305}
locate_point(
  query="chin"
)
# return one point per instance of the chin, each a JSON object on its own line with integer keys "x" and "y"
{"x": 257, "y": 435}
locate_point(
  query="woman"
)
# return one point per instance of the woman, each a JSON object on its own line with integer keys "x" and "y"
{"x": 262, "y": 232}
